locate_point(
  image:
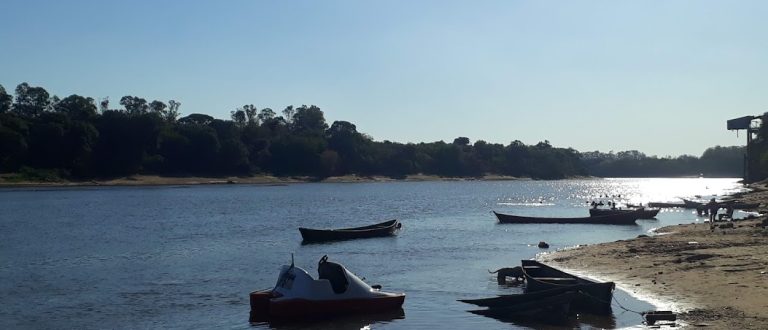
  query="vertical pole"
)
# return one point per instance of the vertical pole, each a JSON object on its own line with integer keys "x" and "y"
{"x": 748, "y": 158}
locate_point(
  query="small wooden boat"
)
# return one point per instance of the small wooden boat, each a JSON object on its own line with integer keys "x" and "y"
{"x": 665, "y": 205}
{"x": 550, "y": 309}
{"x": 595, "y": 296}
{"x": 689, "y": 204}
{"x": 387, "y": 228}
{"x": 336, "y": 292}
{"x": 612, "y": 219}
{"x": 644, "y": 213}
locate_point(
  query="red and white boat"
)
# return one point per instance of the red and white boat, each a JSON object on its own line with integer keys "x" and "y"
{"x": 336, "y": 292}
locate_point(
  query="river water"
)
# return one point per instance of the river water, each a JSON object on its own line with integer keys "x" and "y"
{"x": 187, "y": 256}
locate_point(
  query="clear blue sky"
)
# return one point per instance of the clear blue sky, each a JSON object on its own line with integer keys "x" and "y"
{"x": 661, "y": 77}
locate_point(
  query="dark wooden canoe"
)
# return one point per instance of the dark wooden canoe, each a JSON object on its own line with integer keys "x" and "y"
{"x": 644, "y": 213}
{"x": 387, "y": 228}
{"x": 594, "y": 296}
{"x": 613, "y": 219}
{"x": 550, "y": 309}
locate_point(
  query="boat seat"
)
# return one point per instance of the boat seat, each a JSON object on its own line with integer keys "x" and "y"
{"x": 334, "y": 273}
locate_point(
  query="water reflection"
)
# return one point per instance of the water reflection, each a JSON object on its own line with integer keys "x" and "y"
{"x": 358, "y": 321}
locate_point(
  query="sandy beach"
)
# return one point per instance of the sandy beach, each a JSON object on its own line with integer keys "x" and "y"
{"x": 712, "y": 278}
{"x": 7, "y": 180}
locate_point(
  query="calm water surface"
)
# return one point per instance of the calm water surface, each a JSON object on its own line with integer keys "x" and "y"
{"x": 187, "y": 256}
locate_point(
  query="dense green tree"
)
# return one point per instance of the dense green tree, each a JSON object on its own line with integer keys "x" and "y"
{"x": 158, "y": 106}
{"x": 124, "y": 141}
{"x": 77, "y": 107}
{"x": 71, "y": 136}
{"x": 5, "y": 100}
{"x": 265, "y": 114}
{"x": 134, "y": 105}
{"x": 30, "y": 101}
{"x": 308, "y": 120}
{"x": 173, "y": 111}
{"x": 351, "y": 147}
{"x": 196, "y": 119}
{"x": 13, "y": 142}
{"x": 461, "y": 141}
{"x": 239, "y": 117}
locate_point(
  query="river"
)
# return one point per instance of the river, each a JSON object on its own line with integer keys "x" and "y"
{"x": 187, "y": 256}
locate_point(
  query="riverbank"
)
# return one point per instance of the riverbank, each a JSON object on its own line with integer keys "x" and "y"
{"x": 12, "y": 180}
{"x": 716, "y": 278}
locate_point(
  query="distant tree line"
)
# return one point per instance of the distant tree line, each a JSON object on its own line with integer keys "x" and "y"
{"x": 714, "y": 162}
{"x": 81, "y": 138}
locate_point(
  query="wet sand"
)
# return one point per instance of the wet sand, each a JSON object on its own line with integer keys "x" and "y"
{"x": 712, "y": 278}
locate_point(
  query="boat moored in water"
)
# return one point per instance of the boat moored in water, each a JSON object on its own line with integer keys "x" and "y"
{"x": 643, "y": 212}
{"x": 336, "y": 292}
{"x": 611, "y": 219}
{"x": 386, "y": 228}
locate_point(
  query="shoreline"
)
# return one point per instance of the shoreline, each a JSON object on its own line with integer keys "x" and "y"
{"x": 710, "y": 278}
{"x": 156, "y": 180}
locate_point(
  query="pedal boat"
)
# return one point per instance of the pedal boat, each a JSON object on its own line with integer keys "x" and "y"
{"x": 336, "y": 292}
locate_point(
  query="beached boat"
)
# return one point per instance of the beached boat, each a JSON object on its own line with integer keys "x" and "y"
{"x": 644, "y": 213}
{"x": 387, "y": 228}
{"x": 594, "y": 296}
{"x": 336, "y": 292}
{"x": 549, "y": 309}
{"x": 613, "y": 219}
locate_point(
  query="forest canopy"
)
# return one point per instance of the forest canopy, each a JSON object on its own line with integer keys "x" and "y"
{"x": 78, "y": 137}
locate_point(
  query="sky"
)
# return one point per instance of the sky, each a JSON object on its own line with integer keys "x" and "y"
{"x": 661, "y": 77}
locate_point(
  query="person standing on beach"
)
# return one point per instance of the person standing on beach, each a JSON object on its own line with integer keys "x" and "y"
{"x": 713, "y": 207}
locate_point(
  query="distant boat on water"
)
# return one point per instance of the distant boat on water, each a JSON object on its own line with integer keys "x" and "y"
{"x": 627, "y": 218}
{"x": 386, "y": 228}
{"x": 644, "y": 213}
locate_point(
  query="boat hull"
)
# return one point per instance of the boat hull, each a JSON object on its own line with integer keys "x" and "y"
{"x": 266, "y": 307}
{"x": 644, "y": 213}
{"x": 509, "y": 300}
{"x": 550, "y": 309}
{"x": 387, "y": 228}
{"x": 614, "y": 219}
{"x": 666, "y": 205}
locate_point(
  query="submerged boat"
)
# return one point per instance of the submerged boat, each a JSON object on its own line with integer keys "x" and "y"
{"x": 643, "y": 212}
{"x": 336, "y": 292}
{"x": 550, "y": 309}
{"x": 509, "y": 300}
{"x": 594, "y": 296}
{"x": 611, "y": 219}
{"x": 386, "y": 228}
